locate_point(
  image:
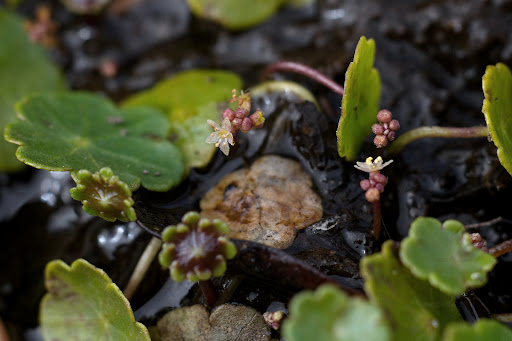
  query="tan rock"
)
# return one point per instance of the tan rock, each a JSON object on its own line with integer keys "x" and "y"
{"x": 266, "y": 203}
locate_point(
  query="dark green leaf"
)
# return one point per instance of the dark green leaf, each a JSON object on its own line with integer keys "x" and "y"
{"x": 445, "y": 256}
{"x": 360, "y": 102}
{"x": 74, "y": 131}
{"x": 416, "y": 310}
{"x": 83, "y": 304}
{"x": 497, "y": 108}
{"x": 24, "y": 69}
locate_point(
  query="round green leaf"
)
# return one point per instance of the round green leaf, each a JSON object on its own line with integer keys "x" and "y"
{"x": 24, "y": 69}
{"x": 239, "y": 14}
{"x": 416, "y": 310}
{"x": 360, "y": 101}
{"x": 190, "y": 98}
{"x": 74, "y": 131}
{"x": 497, "y": 109}
{"x": 482, "y": 330}
{"x": 445, "y": 256}
{"x": 83, "y": 304}
{"x": 329, "y": 315}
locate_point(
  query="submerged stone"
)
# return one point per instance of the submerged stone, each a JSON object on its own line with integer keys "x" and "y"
{"x": 266, "y": 203}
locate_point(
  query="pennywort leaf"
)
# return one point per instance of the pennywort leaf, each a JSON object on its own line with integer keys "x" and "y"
{"x": 328, "y": 314}
{"x": 497, "y": 109}
{"x": 74, "y": 131}
{"x": 482, "y": 330}
{"x": 360, "y": 102}
{"x": 239, "y": 14}
{"x": 416, "y": 310}
{"x": 82, "y": 304}
{"x": 189, "y": 99}
{"x": 445, "y": 256}
{"x": 24, "y": 69}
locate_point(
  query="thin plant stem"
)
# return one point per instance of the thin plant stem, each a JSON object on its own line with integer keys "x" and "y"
{"x": 501, "y": 248}
{"x": 376, "y": 219}
{"x": 483, "y": 224}
{"x": 288, "y": 66}
{"x": 142, "y": 266}
{"x": 210, "y": 294}
{"x": 435, "y": 131}
{"x": 505, "y": 318}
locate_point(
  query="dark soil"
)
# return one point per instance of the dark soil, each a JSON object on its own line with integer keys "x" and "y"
{"x": 431, "y": 56}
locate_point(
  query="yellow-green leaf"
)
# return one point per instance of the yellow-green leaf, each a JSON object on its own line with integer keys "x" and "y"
{"x": 360, "y": 101}
{"x": 497, "y": 109}
{"x": 83, "y": 304}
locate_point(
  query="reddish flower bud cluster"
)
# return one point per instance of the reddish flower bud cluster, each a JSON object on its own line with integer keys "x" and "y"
{"x": 374, "y": 185}
{"x": 385, "y": 129}
{"x": 239, "y": 118}
{"x": 478, "y": 242}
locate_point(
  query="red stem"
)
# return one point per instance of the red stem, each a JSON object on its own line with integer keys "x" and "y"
{"x": 288, "y": 66}
{"x": 210, "y": 294}
{"x": 376, "y": 219}
{"x": 501, "y": 248}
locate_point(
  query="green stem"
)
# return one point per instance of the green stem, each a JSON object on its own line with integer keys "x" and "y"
{"x": 434, "y": 131}
{"x": 142, "y": 266}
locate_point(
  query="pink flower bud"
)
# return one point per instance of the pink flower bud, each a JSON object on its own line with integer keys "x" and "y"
{"x": 380, "y": 187}
{"x": 241, "y": 113}
{"x": 394, "y": 125}
{"x": 246, "y": 125}
{"x": 380, "y": 178}
{"x": 236, "y": 123}
{"x": 377, "y": 129}
{"x": 391, "y": 135}
{"x": 229, "y": 114}
{"x": 365, "y": 184}
{"x": 372, "y": 195}
{"x": 384, "y": 116}
{"x": 380, "y": 141}
{"x": 257, "y": 119}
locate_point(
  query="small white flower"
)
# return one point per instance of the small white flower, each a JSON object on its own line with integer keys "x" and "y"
{"x": 222, "y": 135}
{"x": 370, "y": 166}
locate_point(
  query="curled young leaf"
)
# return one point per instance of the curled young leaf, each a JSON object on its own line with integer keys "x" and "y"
{"x": 196, "y": 249}
{"x": 103, "y": 194}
